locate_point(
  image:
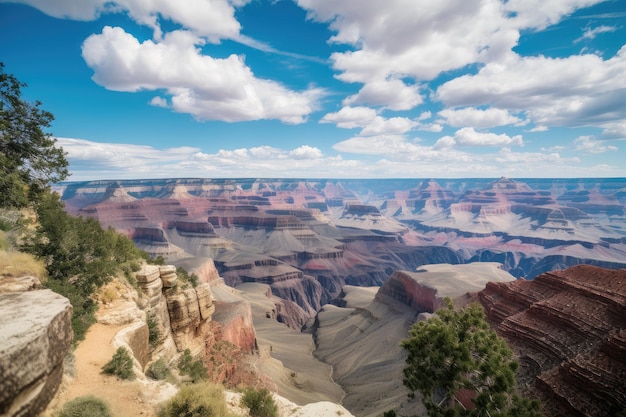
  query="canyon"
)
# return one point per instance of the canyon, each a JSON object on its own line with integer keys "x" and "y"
{"x": 307, "y": 239}
{"x": 321, "y": 279}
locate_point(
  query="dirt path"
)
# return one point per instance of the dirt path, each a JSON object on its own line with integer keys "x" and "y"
{"x": 90, "y": 355}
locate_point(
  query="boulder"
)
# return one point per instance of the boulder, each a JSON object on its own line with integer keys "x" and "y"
{"x": 36, "y": 335}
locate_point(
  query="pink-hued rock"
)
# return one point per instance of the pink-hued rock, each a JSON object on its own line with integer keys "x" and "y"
{"x": 236, "y": 325}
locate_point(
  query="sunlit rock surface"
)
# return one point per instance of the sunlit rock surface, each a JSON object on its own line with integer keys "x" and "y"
{"x": 35, "y": 335}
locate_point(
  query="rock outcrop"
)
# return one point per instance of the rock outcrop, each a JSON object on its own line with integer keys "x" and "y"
{"x": 569, "y": 328}
{"x": 36, "y": 333}
{"x": 424, "y": 290}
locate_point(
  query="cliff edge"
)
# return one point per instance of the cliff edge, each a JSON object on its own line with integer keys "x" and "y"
{"x": 36, "y": 334}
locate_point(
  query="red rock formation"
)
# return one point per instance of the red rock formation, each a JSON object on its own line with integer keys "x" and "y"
{"x": 569, "y": 328}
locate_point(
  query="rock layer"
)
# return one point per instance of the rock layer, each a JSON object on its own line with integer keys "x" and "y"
{"x": 36, "y": 334}
{"x": 569, "y": 328}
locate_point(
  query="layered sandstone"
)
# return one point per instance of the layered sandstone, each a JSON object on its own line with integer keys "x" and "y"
{"x": 569, "y": 328}
{"x": 36, "y": 334}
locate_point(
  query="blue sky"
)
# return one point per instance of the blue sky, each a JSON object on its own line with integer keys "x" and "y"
{"x": 326, "y": 88}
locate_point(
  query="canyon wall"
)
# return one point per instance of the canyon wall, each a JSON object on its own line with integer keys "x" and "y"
{"x": 309, "y": 238}
{"x": 569, "y": 329}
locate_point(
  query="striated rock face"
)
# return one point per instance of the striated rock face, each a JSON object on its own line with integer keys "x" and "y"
{"x": 236, "y": 325}
{"x": 357, "y": 232}
{"x": 569, "y": 328}
{"x": 36, "y": 333}
{"x": 424, "y": 290}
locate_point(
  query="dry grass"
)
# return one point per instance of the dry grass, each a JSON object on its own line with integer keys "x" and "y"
{"x": 19, "y": 264}
{"x": 110, "y": 292}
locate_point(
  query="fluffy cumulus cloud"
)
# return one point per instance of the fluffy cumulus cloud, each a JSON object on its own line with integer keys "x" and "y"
{"x": 369, "y": 120}
{"x": 580, "y": 90}
{"x": 213, "y": 19}
{"x": 206, "y": 87}
{"x": 478, "y": 118}
{"x": 470, "y": 137}
{"x": 392, "y": 94}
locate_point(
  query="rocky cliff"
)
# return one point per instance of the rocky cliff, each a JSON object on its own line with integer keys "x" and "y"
{"x": 36, "y": 334}
{"x": 185, "y": 316}
{"x": 569, "y": 328}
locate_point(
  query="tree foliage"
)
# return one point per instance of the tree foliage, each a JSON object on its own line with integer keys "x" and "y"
{"x": 457, "y": 352}
{"x": 79, "y": 256}
{"x": 29, "y": 159}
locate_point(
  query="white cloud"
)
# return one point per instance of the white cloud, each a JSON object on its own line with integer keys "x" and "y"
{"x": 208, "y": 88}
{"x": 351, "y": 117}
{"x": 478, "y": 118}
{"x": 159, "y": 102}
{"x": 538, "y": 14}
{"x": 393, "y": 156}
{"x": 392, "y": 94}
{"x": 580, "y": 90}
{"x": 93, "y": 160}
{"x": 591, "y": 145}
{"x": 467, "y": 136}
{"x": 592, "y": 33}
{"x": 211, "y": 19}
{"x": 306, "y": 152}
{"x": 370, "y": 122}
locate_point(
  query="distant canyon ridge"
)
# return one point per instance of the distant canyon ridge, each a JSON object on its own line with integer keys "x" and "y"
{"x": 309, "y": 238}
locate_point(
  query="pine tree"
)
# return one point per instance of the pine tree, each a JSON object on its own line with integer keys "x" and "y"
{"x": 456, "y": 351}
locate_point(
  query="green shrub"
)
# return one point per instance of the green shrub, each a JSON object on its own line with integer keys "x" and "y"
{"x": 198, "y": 400}
{"x": 153, "y": 329}
{"x": 192, "y": 368}
{"x": 261, "y": 403}
{"x": 86, "y": 406}
{"x": 158, "y": 370}
{"x": 186, "y": 278}
{"x": 120, "y": 365}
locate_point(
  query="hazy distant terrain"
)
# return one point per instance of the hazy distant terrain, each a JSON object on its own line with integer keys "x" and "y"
{"x": 309, "y": 238}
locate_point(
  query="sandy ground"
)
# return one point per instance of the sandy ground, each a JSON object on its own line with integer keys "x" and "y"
{"x": 124, "y": 397}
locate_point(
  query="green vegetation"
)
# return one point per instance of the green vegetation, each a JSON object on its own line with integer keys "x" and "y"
{"x": 186, "y": 278}
{"x": 79, "y": 256}
{"x": 259, "y": 402}
{"x": 159, "y": 370}
{"x": 29, "y": 159}
{"x": 457, "y": 350}
{"x": 120, "y": 365}
{"x": 153, "y": 329}
{"x": 194, "y": 369}
{"x": 87, "y": 406}
{"x": 197, "y": 400}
